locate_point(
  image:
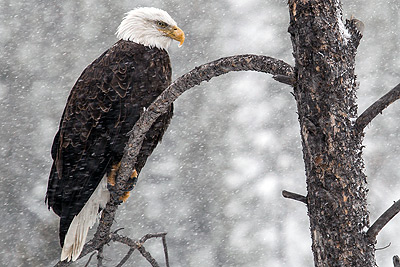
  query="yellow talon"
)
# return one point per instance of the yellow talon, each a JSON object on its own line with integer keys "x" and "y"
{"x": 113, "y": 174}
{"x": 125, "y": 196}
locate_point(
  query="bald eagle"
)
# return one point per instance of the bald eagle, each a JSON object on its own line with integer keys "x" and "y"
{"x": 101, "y": 109}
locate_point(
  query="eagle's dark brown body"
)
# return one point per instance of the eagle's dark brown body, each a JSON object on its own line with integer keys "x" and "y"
{"x": 102, "y": 108}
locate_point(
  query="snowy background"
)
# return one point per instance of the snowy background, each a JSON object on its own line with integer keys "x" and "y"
{"x": 215, "y": 182}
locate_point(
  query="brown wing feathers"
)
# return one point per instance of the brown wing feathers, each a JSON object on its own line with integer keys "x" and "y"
{"x": 102, "y": 108}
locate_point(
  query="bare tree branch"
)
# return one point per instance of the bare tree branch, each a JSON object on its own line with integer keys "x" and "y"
{"x": 90, "y": 258}
{"x": 148, "y": 256}
{"x": 164, "y": 240}
{"x": 370, "y": 113}
{"x": 138, "y": 245}
{"x": 194, "y": 77}
{"x": 148, "y": 236}
{"x": 124, "y": 260}
{"x": 294, "y": 196}
{"x": 385, "y": 247}
{"x": 378, "y": 225}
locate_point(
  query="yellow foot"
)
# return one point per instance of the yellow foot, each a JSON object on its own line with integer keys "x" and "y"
{"x": 125, "y": 196}
{"x": 113, "y": 174}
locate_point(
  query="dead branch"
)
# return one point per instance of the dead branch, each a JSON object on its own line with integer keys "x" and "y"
{"x": 138, "y": 245}
{"x": 194, "y": 77}
{"x": 378, "y": 225}
{"x": 148, "y": 256}
{"x": 372, "y": 111}
{"x": 294, "y": 196}
{"x": 148, "y": 236}
{"x": 385, "y": 247}
{"x": 125, "y": 259}
{"x": 164, "y": 240}
{"x": 90, "y": 258}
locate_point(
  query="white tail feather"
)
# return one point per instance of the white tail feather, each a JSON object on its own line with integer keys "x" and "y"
{"x": 78, "y": 230}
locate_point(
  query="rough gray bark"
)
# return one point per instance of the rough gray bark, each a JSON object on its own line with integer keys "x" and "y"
{"x": 325, "y": 91}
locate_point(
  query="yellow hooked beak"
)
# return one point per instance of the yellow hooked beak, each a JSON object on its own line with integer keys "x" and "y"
{"x": 175, "y": 33}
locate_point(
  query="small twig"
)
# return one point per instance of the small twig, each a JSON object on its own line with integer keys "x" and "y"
{"x": 90, "y": 258}
{"x": 396, "y": 261}
{"x": 119, "y": 229}
{"x": 370, "y": 113}
{"x": 148, "y": 236}
{"x": 164, "y": 241}
{"x": 123, "y": 261}
{"x": 298, "y": 197}
{"x": 385, "y": 247}
{"x": 382, "y": 221}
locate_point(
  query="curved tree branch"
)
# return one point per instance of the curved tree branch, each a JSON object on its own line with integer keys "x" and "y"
{"x": 370, "y": 113}
{"x": 194, "y": 77}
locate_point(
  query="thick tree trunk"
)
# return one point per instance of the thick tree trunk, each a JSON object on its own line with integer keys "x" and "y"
{"x": 324, "y": 50}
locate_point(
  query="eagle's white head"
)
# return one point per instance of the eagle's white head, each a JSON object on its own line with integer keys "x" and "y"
{"x": 151, "y": 27}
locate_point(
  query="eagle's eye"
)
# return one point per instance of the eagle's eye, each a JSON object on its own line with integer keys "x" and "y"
{"x": 161, "y": 24}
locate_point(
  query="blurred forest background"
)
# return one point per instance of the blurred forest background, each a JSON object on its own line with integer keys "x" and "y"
{"x": 215, "y": 182}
